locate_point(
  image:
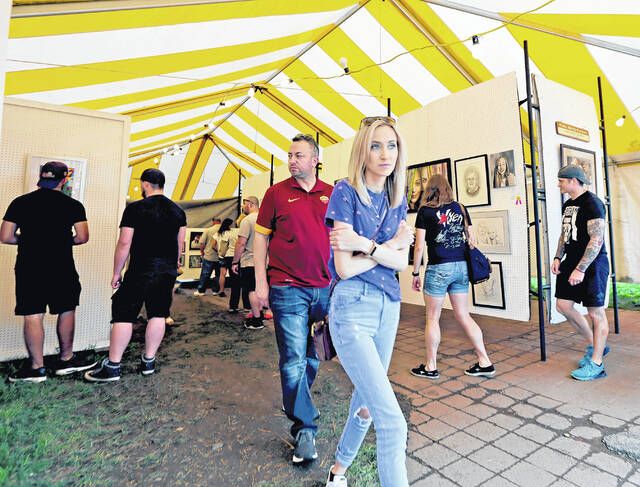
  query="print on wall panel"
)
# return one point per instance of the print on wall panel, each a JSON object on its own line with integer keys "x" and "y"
{"x": 472, "y": 181}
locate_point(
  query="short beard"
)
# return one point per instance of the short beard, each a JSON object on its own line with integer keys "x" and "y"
{"x": 144, "y": 193}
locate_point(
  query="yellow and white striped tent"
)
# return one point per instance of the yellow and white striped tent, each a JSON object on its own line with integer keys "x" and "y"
{"x": 184, "y": 69}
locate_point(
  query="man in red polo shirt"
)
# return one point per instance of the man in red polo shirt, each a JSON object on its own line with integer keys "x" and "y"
{"x": 292, "y": 228}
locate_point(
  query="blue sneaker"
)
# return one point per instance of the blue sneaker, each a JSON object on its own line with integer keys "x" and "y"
{"x": 588, "y": 352}
{"x": 591, "y": 371}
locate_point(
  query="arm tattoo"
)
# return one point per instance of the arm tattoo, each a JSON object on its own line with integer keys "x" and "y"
{"x": 595, "y": 229}
{"x": 560, "y": 249}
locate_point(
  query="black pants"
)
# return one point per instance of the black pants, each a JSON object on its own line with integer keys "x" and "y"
{"x": 236, "y": 290}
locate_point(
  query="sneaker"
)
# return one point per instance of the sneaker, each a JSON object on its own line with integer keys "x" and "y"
{"x": 147, "y": 365}
{"x": 28, "y": 374}
{"x": 169, "y": 321}
{"x": 334, "y": 480}
{"x": 588, "y": 352}
{"x": 253, "y": 324}
{"x": 105, "y": 373}
{"x": 478, "y": 371}
{"x": 590, "y": 371}
{"x": 198, "y": 293}
{"x": 233, "y": 311}
{"x": 305, "y": 450}
{"x": 222, "y": 294}
{"x": 421, "y": 371}
{"x": 74, "y": 364}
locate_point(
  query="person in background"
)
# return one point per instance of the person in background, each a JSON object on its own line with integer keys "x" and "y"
{"x": 441, "y": 225}
{"x": 370, "y": 242}
{"x": 210, "y": 259}
{"x": 222, "y": 238}
{"x": 50, "y": 223}
{"x": 581, "y": 267}
{"x": 152, "y": 233}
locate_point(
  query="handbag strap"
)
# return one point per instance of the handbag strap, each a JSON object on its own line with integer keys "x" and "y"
{"x": 464, "y": 219}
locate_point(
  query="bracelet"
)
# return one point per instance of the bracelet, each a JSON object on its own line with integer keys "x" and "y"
{"x": 372, "y": 249}
{"x": 415, "y": 274}
{"x": 375, "y": 247}
{"x": 235, "y": 263}
{"x": 559, "y": 258}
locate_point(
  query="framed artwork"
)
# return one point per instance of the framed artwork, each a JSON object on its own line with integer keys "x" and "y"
{"x": 492, "y": 231}
{"x": 181, "y": 260}
{"x": 417, "y": 177}
{"x": 75, "y": 182}
{"x": 502, "y": 169}
{"x": 194, "y": 240}
{"x": 586, "y": 159}
{"x": 472, "y": 181}
{"x": 195, "y": 261}
{"x": 490, "y": 293}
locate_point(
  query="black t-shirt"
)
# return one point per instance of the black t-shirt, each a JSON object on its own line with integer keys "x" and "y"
{"x": 45, "y": 218}
{"x": 156, "y": 221}
{"x": 575, "y": 215}
{"x": 444, "y": 228}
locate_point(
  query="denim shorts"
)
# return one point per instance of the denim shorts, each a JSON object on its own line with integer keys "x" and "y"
{"x": 450, "y": 277}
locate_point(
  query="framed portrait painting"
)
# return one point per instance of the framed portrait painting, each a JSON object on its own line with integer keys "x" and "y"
{"x": 73, "y": 186}
{"x": 502, "y": 169}
{"x": 472, "y": 181}
{"x": 417, "y": 177}
{"x": 492, "y": 231}
{"x": 194, "y": 240}
{"x": 490, "y": 293}
{"x": 195, "y": 261}
{"x": 584, "y": 158}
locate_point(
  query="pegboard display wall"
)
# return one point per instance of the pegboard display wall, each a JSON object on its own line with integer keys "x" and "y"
{"x": 102, "y": 139}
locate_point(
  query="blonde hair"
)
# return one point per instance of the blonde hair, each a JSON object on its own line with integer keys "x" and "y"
{"x": 395, "y": 183}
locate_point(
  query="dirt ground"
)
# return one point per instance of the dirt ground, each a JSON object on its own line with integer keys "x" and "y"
{"x": 211, "y": 414}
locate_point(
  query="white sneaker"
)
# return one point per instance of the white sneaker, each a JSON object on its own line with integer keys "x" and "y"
{"x": 169, "y": 321}
{"x": 198, "y": 293}
{"x": 338, "y": 480}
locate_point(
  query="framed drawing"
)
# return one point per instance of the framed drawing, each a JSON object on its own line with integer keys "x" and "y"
{"x": 472, "y": 181}
{"x": 181, "y": 260}
{"x": 586, "y": 159}
{"x": 502, "y": 169}
{"x": 490, "y": 294}
{"x": 417, "y": 177}
{"x": 492, "y": 231}
{"x": 194, "y": 240}
{"x": 195, "y": 261}
{"x": 75, "y": 182}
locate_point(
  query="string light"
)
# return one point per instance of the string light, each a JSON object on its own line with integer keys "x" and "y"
{"x": 251, "y": 92}
{"x": 620, "y": 121}
{"x": 344, "y": 64}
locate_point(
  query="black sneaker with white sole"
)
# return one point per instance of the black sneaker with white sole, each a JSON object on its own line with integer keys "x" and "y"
{"x": 74, "y": 364}
{"x": 107, "y": 372}
{"x": 421, "y": 371}
{"x": 147, "y": 365}
{"x": 253, "y": 324}
{"x": 28, "y": 374}
{"x": 305, "y": 450}
{"x": 477, "y": 371}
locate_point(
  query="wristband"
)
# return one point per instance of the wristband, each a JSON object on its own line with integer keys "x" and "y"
{"x": 235, "y": 263}
{"x": 415, "y": 274}
{"x": 559, "y": 258}
{"x": 375, "y": 247}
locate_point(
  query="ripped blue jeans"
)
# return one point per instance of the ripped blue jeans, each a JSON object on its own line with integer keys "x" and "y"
{"x": 363, "y": 323}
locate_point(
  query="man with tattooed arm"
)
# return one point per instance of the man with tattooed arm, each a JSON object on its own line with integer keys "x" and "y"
{"x": 582, "y": 269}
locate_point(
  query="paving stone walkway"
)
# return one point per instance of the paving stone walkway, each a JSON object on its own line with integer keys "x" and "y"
{"x": 531, "y": 425}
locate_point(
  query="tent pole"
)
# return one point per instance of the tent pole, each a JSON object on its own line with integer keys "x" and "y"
{"x": 319, "y": 163}
{"x": 603, "y": 134}
{"x": 271, "y": 174}
{"x": 239, "y": 203}
{"x": 388, "y": 107}
{"x": 534, "y": 177}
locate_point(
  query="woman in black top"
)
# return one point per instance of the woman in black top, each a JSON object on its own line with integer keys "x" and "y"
{"x": 441, "y": 224}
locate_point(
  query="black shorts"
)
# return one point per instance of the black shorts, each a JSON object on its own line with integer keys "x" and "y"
{"x": 35, "y": 291}
{"x": 226, "y": 263}
{"x": 155, "y": 291}
{"x": 591, "y": 292}
{"x": 248, "y": 278}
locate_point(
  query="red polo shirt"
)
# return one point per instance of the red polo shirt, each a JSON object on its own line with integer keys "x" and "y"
{"x": 299, "y": 246}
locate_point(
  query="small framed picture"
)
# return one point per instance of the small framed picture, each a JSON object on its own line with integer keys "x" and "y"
{"x": 492, "y": 231}
{"x": 472, "y": 181}
{"x": 417, "y": 177}
{"x": 584, "y": 158}
{"x": 490, "y": 293}
{"x": 195, "y": 262}
{"x": 181, "y": 260}
{"x": 194, "y": 240}
{"x": 502, "y": 170}
{"x": 75, "y": 182}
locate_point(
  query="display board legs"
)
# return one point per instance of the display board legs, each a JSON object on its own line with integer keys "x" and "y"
{"x": 603, "y": 134}
{"x": 538, "y": 235}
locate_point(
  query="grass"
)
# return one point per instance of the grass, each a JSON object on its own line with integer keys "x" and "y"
{"x": 628, "y": 294}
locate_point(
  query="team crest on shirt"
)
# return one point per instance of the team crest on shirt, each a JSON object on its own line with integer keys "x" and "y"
{"x": 324, "y": 199}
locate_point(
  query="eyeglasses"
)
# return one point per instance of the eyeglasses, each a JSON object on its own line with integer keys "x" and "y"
{"x": 366, "y": 121}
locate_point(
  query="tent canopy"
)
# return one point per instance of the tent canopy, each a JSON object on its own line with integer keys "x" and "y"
{"x": 218, "y": 88}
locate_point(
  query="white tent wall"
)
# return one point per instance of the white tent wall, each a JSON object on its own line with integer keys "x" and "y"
{"x": 559, "y": 103}
{"x": 32, "y": 128}
{"x": 625, "y": 201}
{"x": 5, "y": 10}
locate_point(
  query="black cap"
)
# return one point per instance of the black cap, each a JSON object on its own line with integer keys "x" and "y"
{"x": 51, "y": 173}
{"x": 153, "y": 176}
{"x": 571, "y": 171}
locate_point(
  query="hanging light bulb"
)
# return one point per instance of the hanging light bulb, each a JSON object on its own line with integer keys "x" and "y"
{"x": 206, "y": 125}
{"x": 475, "y": 47}
{"x": 222, "y": 103}
{"x": 156, "y": 160}
{"x": 135, "y": 188}
{"x": 620, "y": 121}
{"x": 165, "y": 150}
{"x": 251, "y": 91}
{"x": 176, "y": 147}
{"x": 344, "y": 64}
{"x": 192, "y": 137}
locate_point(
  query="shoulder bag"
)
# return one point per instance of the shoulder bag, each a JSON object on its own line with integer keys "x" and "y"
{"x": 478, "y": 264}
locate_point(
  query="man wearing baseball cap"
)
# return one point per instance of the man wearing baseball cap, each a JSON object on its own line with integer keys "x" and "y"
{"x": 582, "y": 268}
{"x": 50, "y": 224}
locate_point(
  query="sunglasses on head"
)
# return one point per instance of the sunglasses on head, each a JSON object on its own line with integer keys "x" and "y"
{"x": 366, "y": 121}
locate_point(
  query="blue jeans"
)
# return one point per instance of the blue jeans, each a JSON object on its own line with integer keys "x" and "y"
{"x": 294, "y": 308}
{"x": 363, "y": 322}
{"x": 209, "y": 267}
